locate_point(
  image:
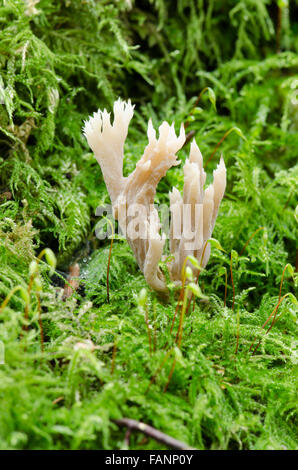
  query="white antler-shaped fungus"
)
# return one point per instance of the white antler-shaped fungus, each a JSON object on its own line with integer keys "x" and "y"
{"x": 193, "y": 216}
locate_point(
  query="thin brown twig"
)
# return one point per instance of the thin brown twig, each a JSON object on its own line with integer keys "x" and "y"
{"x": 159, "y": 436}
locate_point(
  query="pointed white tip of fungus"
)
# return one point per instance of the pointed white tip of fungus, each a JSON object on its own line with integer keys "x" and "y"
{"x": 195, "y": 155}
{"x": 99, "y": 130}
{"x": 151, "y": 133}
{"x": 175, "y": 196}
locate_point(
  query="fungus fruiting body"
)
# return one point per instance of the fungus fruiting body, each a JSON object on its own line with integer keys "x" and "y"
{"x": 193, "y": 215}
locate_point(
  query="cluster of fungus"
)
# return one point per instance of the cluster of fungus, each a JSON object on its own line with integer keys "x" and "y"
{"x": 193, "y": 213}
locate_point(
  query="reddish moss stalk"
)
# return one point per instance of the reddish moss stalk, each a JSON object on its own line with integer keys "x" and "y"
{"x": 232, "y": 282}
{"x": 250, "y": 238}
{"x": 194, "y": 106}
{"x": 176, "y": 310}
{"x": 272, "y": 314}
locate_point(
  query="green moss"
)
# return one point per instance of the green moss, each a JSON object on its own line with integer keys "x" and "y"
{"x": 59, "y": 66}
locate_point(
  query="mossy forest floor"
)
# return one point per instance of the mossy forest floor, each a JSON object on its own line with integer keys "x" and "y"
{"x": 60, "y": 62}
